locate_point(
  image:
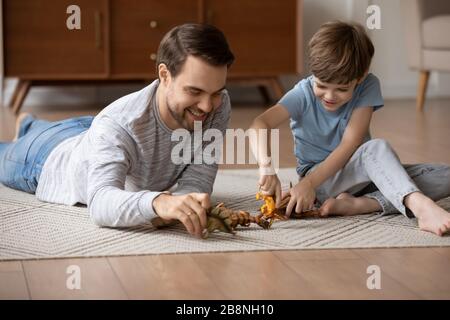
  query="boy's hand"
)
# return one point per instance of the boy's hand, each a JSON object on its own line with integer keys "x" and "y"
{"x": 303, "y": 197}
{"x": 271, "y": 185}
{"x": 189, "y": 208}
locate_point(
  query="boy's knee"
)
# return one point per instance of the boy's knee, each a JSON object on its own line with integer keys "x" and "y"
{"x": 439, "y": 168}
{"x": 377, "y": 144}
{"x": 443, "y": 171}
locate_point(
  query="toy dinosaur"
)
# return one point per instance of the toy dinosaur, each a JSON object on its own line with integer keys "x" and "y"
{"x": 222, "y": 219}
{"x": 227, "y": 220}
{"x": 270, "y": 213}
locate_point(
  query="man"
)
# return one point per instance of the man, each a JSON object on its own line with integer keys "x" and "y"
{"x": 119, "y": 163}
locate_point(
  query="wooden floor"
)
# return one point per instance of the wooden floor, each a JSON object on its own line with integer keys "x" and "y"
{"x": 406, "y": 273}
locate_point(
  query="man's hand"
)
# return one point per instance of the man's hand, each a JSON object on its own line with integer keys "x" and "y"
{"x": 270, "y": 185}
{"x": 303, "y": 197}
{"x": 189, "y": 208}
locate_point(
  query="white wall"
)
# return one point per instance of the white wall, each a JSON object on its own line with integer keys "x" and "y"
{"x": 390, "y": 63}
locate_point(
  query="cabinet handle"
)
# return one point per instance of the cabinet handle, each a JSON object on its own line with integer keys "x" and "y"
{"x": 153, "y": 56}
{"x": 98, "y": 29}
{"x": 153, "y": 24}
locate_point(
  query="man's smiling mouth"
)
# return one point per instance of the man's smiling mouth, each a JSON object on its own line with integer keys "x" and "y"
{"x": 197, "y": 115}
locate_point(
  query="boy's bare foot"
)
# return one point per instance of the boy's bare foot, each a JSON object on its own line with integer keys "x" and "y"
{"x": 430, "y": 216}
{"x": 347, "y": 205}
{"x": 19, "y": 120}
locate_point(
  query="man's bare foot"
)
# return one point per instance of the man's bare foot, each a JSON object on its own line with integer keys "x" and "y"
{"x": 430, "y": 216}
{"x": 347, "y": 205}
{"x": 19, "y": 120}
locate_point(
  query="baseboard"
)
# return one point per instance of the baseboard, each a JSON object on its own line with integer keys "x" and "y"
{"x": 103, "y": 95}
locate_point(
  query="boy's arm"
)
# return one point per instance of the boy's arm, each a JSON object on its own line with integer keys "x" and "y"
{"x": 354, "y": 135}
{"x": 272, "y": 118}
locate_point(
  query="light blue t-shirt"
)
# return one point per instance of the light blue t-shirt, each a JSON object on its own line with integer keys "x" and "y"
{"x": 317, "y": 132}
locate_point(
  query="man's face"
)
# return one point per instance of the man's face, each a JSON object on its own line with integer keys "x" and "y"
{"x": 195, "y": 93}
{"x": 333, "y": 96}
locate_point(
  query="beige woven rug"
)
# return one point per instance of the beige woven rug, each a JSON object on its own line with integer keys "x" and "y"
{"x": 30, "y": 229}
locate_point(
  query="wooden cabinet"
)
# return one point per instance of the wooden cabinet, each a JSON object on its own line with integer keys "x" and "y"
{"x": 262, "y": 34}
{"x": 38, "y": 45}
{"x": 118, "y": 39}
{"x": 137, "y": 27}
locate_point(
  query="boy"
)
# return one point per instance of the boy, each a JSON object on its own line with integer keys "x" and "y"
{"x": 338, "y": 163}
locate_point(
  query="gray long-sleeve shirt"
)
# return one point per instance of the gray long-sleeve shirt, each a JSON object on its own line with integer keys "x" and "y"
{"x": 123, "y": 162}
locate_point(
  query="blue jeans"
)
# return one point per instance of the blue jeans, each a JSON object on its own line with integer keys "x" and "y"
{"x": 21, "y": 161}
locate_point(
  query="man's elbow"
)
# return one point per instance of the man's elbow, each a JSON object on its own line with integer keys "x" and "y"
{"x": 100, "y": 220}
{"x": 99, "y": 214}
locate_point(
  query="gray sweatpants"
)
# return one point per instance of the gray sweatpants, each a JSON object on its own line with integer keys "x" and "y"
{"x": 375, "y": 171}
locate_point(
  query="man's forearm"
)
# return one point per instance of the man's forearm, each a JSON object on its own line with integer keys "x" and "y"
{"x": 113, "y": 207}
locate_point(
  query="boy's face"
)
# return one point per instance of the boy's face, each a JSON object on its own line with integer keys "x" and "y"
{"x": 333, "y": 96}
{"x": 195, "y": 93}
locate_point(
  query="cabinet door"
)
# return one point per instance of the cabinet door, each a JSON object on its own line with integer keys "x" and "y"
{"x": 262, "y": 34}
{"x": 39, "y": 45}
{"x": 137, "y": 27}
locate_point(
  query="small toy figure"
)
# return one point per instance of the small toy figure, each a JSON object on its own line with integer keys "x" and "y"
{"x": 270, "y": 212}
{"x": 227, "y": 220}
{"x": 223, "y": 219}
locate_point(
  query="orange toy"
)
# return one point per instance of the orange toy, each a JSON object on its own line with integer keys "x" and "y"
{"x": 270, "y": 213}
{"x": 268, "y": 210}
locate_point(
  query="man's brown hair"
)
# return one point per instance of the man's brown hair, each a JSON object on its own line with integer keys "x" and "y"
{"x": 199, "y": 40}
{"x": 340, "y": 52}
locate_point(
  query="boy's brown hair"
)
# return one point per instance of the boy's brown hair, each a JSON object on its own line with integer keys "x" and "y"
{"x": 340, "y": 52}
